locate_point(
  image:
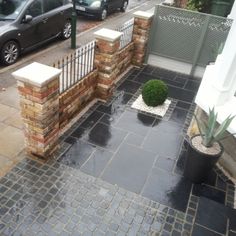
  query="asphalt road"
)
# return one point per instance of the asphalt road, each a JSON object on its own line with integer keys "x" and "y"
{"x": 85, "y": 28}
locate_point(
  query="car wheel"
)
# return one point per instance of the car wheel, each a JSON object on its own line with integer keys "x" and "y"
{"x": 103, "y": 15}
{"x": 10, "y": 53}
{"x": 66, "y": 31}
{"x": 124, "y": 7}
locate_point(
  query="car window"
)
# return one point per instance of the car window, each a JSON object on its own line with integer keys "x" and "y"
{"x": 35, "y": 9}
{"x": 52, "y": 4}
{"x": 67, "y": 1}
{"x": 85, "y": 1}
{"x": 10, "y": 9}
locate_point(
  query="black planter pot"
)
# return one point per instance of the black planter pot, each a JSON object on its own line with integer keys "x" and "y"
{"x": 198, "y": 165}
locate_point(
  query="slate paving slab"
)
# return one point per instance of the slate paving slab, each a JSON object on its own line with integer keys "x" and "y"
{"x": 129, "y": 171}
{"x": 212, "y": 215}
{"x": 209, "y": 192}
{"x": 163, "y": 143}
{"x": 96, "y": 164}
{"x": 78, "y": 154}
{"x": 106, "y": 136}
{"x": 170, "y": 190}
{"x": 200, "y": 231}
{"x": 135, "y": 122}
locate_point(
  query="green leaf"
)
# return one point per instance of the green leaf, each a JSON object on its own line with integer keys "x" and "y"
{"x": 222, "y": 128}
{"x": 202, "y": 127}
{"x": 209, "y": 131}
{"x": 211, "y": 124}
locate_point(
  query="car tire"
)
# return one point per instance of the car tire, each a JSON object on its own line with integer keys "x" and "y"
{"x": 66, "y": 31}
{"x": 10, "y": 52}
{"x": 103, "y": 14}
{"x": 124, "y": 7}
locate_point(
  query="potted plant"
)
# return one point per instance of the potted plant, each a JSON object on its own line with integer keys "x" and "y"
{"x": 205, "y": 149}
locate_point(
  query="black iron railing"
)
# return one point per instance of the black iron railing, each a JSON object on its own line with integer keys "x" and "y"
{"x": 76, "y": 66}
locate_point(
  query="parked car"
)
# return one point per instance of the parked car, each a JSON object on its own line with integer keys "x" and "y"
{"x": 100, "y": 8}
{"x": 27, "y": 24}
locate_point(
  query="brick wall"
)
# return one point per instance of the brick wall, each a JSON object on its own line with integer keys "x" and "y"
{"x": 72, "y": 101}
{"x": 125, "y": 56}
{"x": 46, "y": 112}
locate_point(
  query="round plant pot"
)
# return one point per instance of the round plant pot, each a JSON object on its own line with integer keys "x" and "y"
{"x": 199, "y": 165}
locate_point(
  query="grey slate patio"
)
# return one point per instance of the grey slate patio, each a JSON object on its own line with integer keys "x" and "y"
{"x": 120, "y": 172}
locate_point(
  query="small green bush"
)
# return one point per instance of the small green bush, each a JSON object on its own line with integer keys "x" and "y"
{"x": 154, "y": 92}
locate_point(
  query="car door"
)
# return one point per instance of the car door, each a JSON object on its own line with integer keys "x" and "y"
{"x": 31, "y": 32}
{"x": 116, "y": 3}
{"x": 54, "y": 16}
{"x": 112, "y": 5}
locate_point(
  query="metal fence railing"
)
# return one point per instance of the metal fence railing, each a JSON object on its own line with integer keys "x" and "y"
{"x": 76, "y": 66}
{"x": 127, "y": 30}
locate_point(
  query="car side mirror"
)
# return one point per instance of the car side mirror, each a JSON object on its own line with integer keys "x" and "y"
{"x": 27, "y": 19}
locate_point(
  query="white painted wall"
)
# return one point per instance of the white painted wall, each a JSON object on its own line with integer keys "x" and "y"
{"x": 219, "y": 81}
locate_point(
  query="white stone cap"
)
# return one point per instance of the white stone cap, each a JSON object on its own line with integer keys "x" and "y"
{"x": 108, "y": 34}
{"x": 36, "y": 74}
{"x": 143, "y": 15}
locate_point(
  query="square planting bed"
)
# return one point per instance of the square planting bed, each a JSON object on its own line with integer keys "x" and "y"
{"x": 160, "y": 110}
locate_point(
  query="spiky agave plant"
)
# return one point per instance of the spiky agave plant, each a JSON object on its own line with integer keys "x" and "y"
{"x": 209, "y": 131}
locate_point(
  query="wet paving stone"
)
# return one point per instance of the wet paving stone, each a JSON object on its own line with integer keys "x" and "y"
{"x": 164, "y": 163}
{"x": 78, "y": 133}
{"x": 119, "y": 172}
{"x": 106, "y": 136}
{"x": 164, "y": 73}
{"x": 183, "y": 105}
{"x": 78, "y": 154}
{"x": 181, "y": 94}
{"x": 139, "y": 160}
{"x": 144, "y": 77}
{"x": 96, "y": 164}
{"x": 178, "y": 116}
{"x": 91, "y": 120}
{"x": 209, "y": 192}
{"x": 167, "y": 126}
{"x": 168, "y": 189}
{"x": 232, "y": 217}
{"x": 137, "y": 123}
{"x": 192, "y": 85}
{"x": 200, "y": 231}
{"x": 129, "y": 87}
{"x": 212, "y": 215}
{"x": 163, "y": 143}
{"x": 179, "y": 167}
{"x": 134, "y": 139}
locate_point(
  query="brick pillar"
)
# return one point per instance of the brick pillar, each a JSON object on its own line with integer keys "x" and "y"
{"x": 38, "y": 86}
{"x": 142, "y": 25}
{"x": 106, "y": 60}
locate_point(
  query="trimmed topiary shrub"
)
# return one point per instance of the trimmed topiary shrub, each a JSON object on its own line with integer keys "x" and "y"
{"x": 154, "y": 92}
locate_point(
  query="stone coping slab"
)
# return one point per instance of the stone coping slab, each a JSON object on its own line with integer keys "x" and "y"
{"x": 36, "y": 74}
{"x": 107, "y": 34}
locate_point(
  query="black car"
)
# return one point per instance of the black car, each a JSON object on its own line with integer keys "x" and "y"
{"x": 100, "y": 8}
{"x": 26, "y": 24}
